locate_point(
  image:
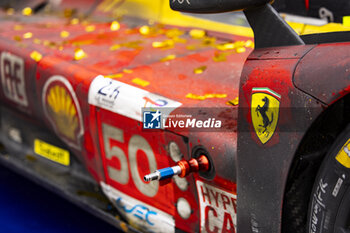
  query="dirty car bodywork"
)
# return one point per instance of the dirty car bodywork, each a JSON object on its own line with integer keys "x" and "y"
{"x": 72, "y": 93}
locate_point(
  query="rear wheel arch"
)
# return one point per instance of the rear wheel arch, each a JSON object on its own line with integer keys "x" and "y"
{"x": 307, "y": 161}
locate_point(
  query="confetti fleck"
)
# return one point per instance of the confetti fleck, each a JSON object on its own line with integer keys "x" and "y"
{"x": 90, "y": 28}
{"x": 206, "y": 96}
{"x": 36, "y": 56}
{"x": 119, "y": 75}
{"x": 197, "y": 33}
{"x": 74, "y": 21}
{"x": 27, "y": 35}
{"x": 199, "y": 70}
{"x": 36, "y": 41}
{"x": 249, "y": 44}
{"x": 10, "y": 11}
{"x": 209, "y": 41}
{"x": 127, "y": 71}
{"x": 233, "y": 102}
{"x": 240, "y": 50}
{"x": 64, "y": 34}
{"x": 167, "y": 44}
{"x": 171, "y": 33}
{"x": 79, "y": 54}
{"x": 114, "y": 47}
{"x": 27, "y": 11}
{"x": 17, "y": 38}
{"x": 124, "y": 227}
{"x": 18, "y": 27}
{"x": 145, "y": 30}
{"x": 226, "y": 46}
{"x": 115, "y": 26}
{"x": 140, "y": 82}
{"x": 219, "y": 57}
{"x": 168, "y": 58}
{"x": 68, "y": 12}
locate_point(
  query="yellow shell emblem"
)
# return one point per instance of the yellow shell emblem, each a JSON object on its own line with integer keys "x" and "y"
{"x": 264, "y": 112}
{"x": 62, "y": 109}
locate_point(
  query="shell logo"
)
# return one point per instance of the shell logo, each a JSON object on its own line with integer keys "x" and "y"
{"x": 62, "y": 110}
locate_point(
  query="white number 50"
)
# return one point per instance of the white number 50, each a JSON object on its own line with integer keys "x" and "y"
{"x": 121, "y": 175}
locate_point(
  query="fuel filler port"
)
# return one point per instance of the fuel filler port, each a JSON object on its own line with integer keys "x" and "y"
{"x": 182, "y": 168}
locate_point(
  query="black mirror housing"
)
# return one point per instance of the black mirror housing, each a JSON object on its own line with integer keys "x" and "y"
{"x": 215, "y": 6}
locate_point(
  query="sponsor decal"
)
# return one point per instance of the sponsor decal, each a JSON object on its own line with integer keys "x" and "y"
{"x": 62, "y": 108}
{"x": 218, "y": 211}
{"x": 343, "y": 156}
{"x": 51, "y": 152}
{"x": 125, "y": 99}
{"x": 13, "y": 79}
{"x": 265, "y": 112}
{"x": 138, "y": 213}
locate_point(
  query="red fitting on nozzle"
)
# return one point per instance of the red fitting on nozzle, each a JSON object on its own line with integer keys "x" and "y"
{"x": 193, "y": 165}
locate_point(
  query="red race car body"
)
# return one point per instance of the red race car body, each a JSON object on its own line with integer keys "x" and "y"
{"x": 73, "y": 98}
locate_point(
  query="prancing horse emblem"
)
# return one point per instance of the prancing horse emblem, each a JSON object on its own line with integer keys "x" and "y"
{"x": 264, "y": 111}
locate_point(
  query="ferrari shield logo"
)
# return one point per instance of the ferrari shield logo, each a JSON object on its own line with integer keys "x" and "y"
{"x": 264, "y": 110}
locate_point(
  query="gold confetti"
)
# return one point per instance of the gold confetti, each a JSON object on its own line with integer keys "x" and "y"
{"x": 124, "y": 227}
{"x": 119, "y": 75}
{"x": 191, "y": 47}
{"x": 10, "y": 11}
{"x": 64, "y": 34}
{"x": 27, "y": 11}
{"x": 219, "y": 57}
{"x": 132, "y": 44}
{"x": 79, "y": 54}
{"x": 74, "y": 21}
{"x": 168, "y": 58}
{"x": 179, "y": 40}
{"x": 18, "y": 27}
{"x": 36, "y": 41}
{"x": 90, "y": 28}
{"x": 239, "y": 44}
{"x": 206, "y": 96}
{"x": 114, "y": 47}
{"x": 36, "y": 56}
{"x": 17, "y": 38}
{"x": 140, "y": 82}
{"x": 249, "y": 44}
{"x": 60, "y": 48}
{"x": 127, "y": 71}
{"x": 233, "y": 102}
{"x": 27, "y": 35}
{"x": 167, "y": 44}
{"x": 226, "y": 46}
{"x": 199, "y": 70}
{"x": 197, "y": 33}
{"x": 68, "y": 12}
{"x": 240, "y": 50}
{"x": 115, "y": 26}
{"x": 145, "y": 30}
{"x": 208, "y": 41}
{"x": 171, "y": 33}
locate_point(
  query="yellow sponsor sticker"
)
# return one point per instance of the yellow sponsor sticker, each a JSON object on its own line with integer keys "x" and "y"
{"x": 51, "y": 152}
{"x": 343, "y": 156}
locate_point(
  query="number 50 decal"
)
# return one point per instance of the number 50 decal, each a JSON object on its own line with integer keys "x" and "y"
{"x": 136, "y": 143}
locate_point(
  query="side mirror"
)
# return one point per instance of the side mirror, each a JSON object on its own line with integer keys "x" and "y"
{"x": 215, "y": 6}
